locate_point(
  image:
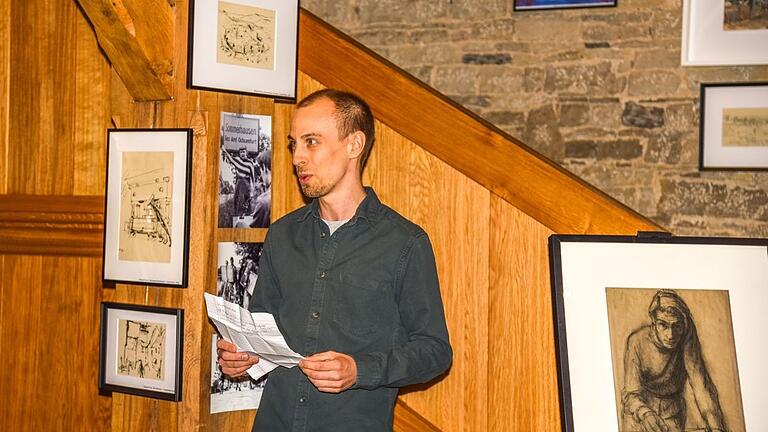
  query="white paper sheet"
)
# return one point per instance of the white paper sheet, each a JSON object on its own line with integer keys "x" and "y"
{"x": 254, "y": 333}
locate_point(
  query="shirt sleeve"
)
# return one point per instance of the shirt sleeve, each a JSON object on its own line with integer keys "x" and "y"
{"x": 632, "y": 394}
{"x": 266, "y": 295}
{"x": 427, "y": 350}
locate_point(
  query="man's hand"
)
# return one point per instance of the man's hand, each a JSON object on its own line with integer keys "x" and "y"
{"x": 233, "y": 363}
{"x": 330, "y": 372}
{"x": 653, "y": 423}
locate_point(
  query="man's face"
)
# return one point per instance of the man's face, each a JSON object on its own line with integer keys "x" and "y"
{"x": 669, "y": 329}
{"x": 319, "y": 155}
{"x": 243, "y": 153}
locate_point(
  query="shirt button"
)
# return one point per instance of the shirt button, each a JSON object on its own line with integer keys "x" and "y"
{"x": 315, "y": 314}
{"x": 323, "y": 274}
{"x": 322, "y": 234}
{"x": 302, "y": 399}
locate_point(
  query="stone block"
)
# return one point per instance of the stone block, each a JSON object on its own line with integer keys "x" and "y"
{"x": 713, "y": 199}
{"x": 653, "y": 83}
{"x": 500, "y": 79}
{"x": 505, "y": 118}
{"x": 624, "y": 149}
{"x": 533, "y": 79}
{"x": 607, "y": 115}
{"x": 596, "y": 79}
{"x": 550, "y": 30}
{"x": 574, "y": 115}
{"x": 682, "y": 116}
{"x": 486, "y": 59}
{"x": 542, "y": 133}
{"x": 664, "y": 148}
{"x": 657, "y": 59}
{"x": 641, "y": 116}
{"x": 455, "y": 79}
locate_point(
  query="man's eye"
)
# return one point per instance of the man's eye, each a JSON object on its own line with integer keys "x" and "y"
{"x": 311, "y": 141}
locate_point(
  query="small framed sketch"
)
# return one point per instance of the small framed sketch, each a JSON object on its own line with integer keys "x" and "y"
{"x": 141, "y": 350}
{"x": 522, "y": 5}
{"x": 146, "y": 227}
{"x": 244, "y": 46}
{"x": 660, "y": 333}
{"x": 734, "y": 126}
{"x": 724, "y": 32}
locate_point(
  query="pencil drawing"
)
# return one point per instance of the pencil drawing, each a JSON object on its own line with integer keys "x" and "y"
{"x": 246, "y": 35}
{"x": 141, "y": 348}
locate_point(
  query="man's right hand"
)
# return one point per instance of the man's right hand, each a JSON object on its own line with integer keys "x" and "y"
{"x": 233, "y": 363}
{"x": 653, "y": 423}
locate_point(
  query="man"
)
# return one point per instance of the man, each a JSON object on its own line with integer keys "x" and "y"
{"x": 245, "y": 176}
{"x": 351, "y": 283}
{"x": 659, "y": 361}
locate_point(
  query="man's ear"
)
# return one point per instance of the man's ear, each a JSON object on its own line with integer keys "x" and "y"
{"x": 355, "y": 144}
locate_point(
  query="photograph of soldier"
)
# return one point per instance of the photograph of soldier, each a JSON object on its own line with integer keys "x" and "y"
{"x": 245, "y": 172}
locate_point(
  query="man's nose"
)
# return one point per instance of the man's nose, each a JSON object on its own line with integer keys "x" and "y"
{"x": 299, "y": 156}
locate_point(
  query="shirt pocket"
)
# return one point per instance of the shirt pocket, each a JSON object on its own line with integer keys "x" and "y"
{"x": 359, "y": 304}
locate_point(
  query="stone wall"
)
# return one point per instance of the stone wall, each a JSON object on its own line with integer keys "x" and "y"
{"x": 600, "y": 91}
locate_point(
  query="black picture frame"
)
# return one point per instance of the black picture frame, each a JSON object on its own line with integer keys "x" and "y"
{"x": 716, "y": 153}
{"x": 159, "y": 380}
{"x": 143, "y": 245}
{"x": 587, "y": 383}
{"x": 236, "y": 76}
{"x": 537, "y": 5}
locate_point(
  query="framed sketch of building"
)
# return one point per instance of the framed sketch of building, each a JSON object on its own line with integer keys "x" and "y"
{"x": 141, "y": 350}
{"x": 724, "y": 32}
{"x": 733, "y": 131}
{"x": 244, "y": 46}
{"x": 146, "y": 226}
{"x": 660, "y": 332}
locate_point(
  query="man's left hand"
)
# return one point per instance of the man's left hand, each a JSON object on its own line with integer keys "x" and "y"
{"x": 330, "y": 371}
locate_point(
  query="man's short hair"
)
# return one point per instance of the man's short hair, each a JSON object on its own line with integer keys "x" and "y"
{"x": 352, "y": 114}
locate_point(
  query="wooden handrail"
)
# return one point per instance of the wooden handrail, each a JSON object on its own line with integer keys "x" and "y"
{"x": 408, "y": 420}
{"x": 540, "y": 188}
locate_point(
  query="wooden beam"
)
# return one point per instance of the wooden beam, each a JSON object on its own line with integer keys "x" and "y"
{"x": 51, "y": 225}
{"x": 137, "y": 37}
{"x": 481, "y": 151}
{"x": 408, "y": 420}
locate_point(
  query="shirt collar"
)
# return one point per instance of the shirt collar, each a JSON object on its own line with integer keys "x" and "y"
{"x": 368, "y": 210}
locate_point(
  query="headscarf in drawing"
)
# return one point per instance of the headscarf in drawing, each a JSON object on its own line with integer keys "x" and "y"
{"x": 670, "y": 302}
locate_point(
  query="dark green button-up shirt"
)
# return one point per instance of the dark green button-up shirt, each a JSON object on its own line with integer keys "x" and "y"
{"x": 370, "y": 290}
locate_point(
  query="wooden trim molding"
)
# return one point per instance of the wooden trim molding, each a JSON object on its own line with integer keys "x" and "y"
{"x": 540, "y": 188}
{"x": 51, "y": 225}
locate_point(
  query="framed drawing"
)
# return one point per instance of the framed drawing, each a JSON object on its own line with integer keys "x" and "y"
{"x": 733, "y": 131}
{"x": 141, "y": 350}
{"x": 146, "y": 226}
{"x": 660, "y": 332}
{"x": 244, "y": 46}
{"x": 724, "y": 32}
{"x": 522, "y": 5}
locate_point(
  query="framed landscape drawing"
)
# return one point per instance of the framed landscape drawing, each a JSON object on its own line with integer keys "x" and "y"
{"x": 522, "y": 5}
{"x": 660, "y": 331}
{"x": 141, "y": 350}
{"x": 146, "y": 217}
{"x": 244, "y": 46}
{"x": 724, "y": 32}
{"x": 734, "y": 126}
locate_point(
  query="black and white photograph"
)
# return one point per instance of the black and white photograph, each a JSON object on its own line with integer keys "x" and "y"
{"x": 657, "y": 332}
{"x": 236, "y": 275}
{"x": 724, "y": 32}
{"x": 734, "y": 126}
{"x": 141, "y": 350}
{"x": 245, "y": 171}
{"x": 146, "y": 226}
{"x": 244, "y": 47}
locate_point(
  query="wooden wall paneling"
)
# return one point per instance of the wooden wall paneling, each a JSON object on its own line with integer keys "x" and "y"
{"x": 91, "y": 112}
{"x": 41, "y": 134}
{"x": 5, "y": 97}
{"x": 454, "y": 211}
{"x": 523, "y": 392}
{"x": 21, "y": 340}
